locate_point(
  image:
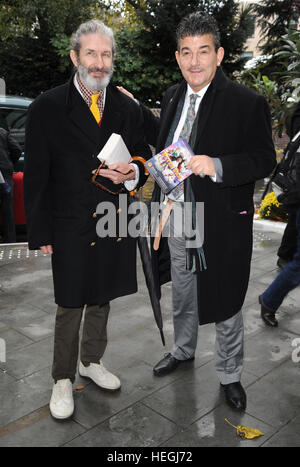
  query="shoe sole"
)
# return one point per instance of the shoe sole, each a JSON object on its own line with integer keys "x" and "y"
{"x": 59, "y": 417}
{"x": 275, "y": 325}
{"x": 101, "y": 387}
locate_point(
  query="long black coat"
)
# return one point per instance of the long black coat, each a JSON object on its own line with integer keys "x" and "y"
{"x": 295, "y": 123}
{"x": 62, "y": 142}
{"x": 234, "y": 125}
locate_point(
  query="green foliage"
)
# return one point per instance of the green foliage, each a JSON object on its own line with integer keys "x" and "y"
{"x": 34, "y": 41}
{"x": 146, "y": 46}
{"x": 288, "y": 57}
{"x": 277, "y": 101}
{"x": 136, "y": 70}
{"x": 281, "y": 88}
{"x": 274, "y": 17}
{"x": 61, "y": 42}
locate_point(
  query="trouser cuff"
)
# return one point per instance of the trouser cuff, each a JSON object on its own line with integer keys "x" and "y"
{"x": 228, "y": 378}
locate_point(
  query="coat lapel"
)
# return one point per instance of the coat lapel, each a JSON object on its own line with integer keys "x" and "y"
{"x": 218, "y": 83}
{"x": 170, "y": 114}
{"x": 113, "y": 116}
{"x": 80, "y": 115}
{"x": 83, "y": 119}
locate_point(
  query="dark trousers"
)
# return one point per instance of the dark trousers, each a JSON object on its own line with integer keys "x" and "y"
{"x": 287, "y": 280}
{"x": 7, "y": 211}
{"x": 66, "y": 339}
{"x": 288, "y": 245}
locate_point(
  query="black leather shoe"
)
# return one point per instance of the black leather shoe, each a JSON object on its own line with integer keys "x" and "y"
{"x": 235, "y": 396}
{"x": 282, "y": 263}
{"x": 168, "y": 364}
{"x": 267, "y": 316}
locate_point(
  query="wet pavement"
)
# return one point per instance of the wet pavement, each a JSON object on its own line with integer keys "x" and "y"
{"x": 184, "y": 409}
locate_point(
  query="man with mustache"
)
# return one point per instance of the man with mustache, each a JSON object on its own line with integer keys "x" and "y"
{"x": 66, "y": 129}
{"x": 228, "y": 128}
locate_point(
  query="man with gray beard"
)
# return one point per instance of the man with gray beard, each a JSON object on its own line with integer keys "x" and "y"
{"x": 66, "y": 129}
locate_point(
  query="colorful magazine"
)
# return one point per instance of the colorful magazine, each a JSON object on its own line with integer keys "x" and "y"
{"x": 169, "y": 167}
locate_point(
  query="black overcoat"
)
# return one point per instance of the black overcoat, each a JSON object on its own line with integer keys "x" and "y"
{"x": 62, "y": 142}
{"x": 234, "y": 125}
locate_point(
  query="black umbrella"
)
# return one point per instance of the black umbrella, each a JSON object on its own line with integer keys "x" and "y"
{"x": 148, "y": 273}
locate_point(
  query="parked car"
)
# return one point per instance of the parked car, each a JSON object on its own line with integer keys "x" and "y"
{"x": 13, "y": 112}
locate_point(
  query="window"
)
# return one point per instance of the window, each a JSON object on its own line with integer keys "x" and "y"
{"x": 247, "y": 55}
{"x": 14, "y": 120}
{"x": 252, "y": 27}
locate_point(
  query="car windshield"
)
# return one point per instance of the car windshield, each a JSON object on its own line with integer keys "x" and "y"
{"x": 14, "y": 120}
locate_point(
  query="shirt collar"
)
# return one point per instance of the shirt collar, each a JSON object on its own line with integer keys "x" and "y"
{"x": 199, "y": 93}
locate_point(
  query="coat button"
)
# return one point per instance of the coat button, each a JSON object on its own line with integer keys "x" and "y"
{"x": 119, "y": 239}
{"x": 119, "y": 210}
{"x": 93, "y": 244}
{"x": 94, "y": 215}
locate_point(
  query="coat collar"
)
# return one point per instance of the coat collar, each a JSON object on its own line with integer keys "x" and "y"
{"x": 82, "y": 117}
{"x": 218, "y": 83}
{"x": 170, "y": 111}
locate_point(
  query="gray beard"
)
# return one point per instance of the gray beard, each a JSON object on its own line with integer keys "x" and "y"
{"x": 94, "y": 84}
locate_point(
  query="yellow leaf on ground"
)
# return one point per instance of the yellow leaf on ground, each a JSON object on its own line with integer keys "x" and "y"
{"x": 246, "y": 432}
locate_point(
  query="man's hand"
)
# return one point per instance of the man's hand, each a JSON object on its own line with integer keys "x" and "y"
{"x": 119, "y": 173}
{"x": 202, "y": 165}
{"x": 47, "y": 250}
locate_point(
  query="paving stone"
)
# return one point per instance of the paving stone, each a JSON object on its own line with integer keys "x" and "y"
{"x": 21, "y": 363}
{"x": 135, "y": 426}
{"x": 93, "y": 405}
{"x": 186, "y": 408}
{"x": 44, "y": 433}
{"x": 5, "y": 381}
{"x": 291, "y": 322}
{"x": 25, "y": 396}
{"x": 19, "y": 314}
{"x": 268, "y": 350}
{"x": 13, "y": 339}
{"x": 275, "y": 399}
{"x": 213, "y": 431}
{"x": 191, "y": 396}
{"x": 38, "y": 329}
{"x": 288, "y": 436}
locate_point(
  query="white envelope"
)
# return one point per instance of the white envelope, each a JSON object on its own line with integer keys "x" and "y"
{"x": 115, "y": 150}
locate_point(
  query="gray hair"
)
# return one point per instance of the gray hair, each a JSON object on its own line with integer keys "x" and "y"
{"x": 198, "y": 24}
{"x": 92, "y": 27}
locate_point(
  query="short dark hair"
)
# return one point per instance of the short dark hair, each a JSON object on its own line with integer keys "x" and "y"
{"x": 198, "y": 24}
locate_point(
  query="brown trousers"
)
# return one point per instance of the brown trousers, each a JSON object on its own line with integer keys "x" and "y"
{"x": 66, "y": 339}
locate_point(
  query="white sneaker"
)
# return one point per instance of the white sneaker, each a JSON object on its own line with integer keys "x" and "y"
{"x": 62, "y": 402}
{"x": 100, "y": 375}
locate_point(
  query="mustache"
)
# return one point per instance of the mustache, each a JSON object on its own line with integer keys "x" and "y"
{"x": 99, "y": 70}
